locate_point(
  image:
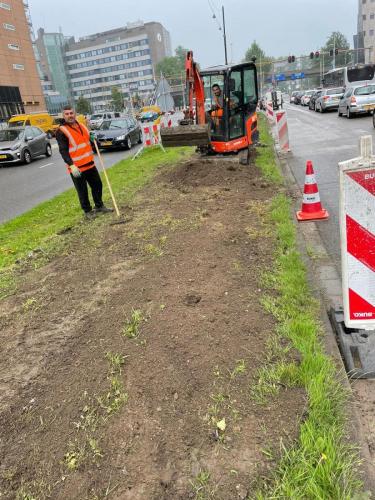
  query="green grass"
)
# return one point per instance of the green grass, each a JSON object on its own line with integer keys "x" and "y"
{"x": 321, "y": 464}
{"x": 39, "y": 227}
{"x": 265, "y": 155}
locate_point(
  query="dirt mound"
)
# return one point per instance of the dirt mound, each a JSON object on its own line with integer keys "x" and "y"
{"x": 127, "y": 364}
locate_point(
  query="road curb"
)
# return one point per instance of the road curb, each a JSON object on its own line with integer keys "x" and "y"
{"x": 326, "y": 285}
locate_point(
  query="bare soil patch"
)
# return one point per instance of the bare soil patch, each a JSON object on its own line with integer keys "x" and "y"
{"x": 175, "y": 293}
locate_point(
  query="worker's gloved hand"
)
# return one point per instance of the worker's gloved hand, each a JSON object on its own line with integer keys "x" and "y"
{"x": 75, "y": 171}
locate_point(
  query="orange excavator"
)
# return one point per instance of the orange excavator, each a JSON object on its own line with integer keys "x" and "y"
{"x": 221, "y": 117}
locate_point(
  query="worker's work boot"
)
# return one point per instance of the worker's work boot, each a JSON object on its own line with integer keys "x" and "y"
{"x": 103, "y": 210}
{"x": 90, "y": 215}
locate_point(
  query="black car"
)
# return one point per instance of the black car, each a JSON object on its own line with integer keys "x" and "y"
{"x": 313, "y": 99}
{"x": 118, "y": 133}
{"x": 297, "y": 98}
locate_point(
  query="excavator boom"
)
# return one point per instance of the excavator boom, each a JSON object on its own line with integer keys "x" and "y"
{"x": 193, "y": 129}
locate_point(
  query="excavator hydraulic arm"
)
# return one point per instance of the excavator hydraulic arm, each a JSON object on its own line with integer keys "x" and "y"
{"x": 193, "y": 129}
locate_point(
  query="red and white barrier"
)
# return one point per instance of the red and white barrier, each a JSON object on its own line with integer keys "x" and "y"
{"x": 151, "y": 137}
{"x": 357, "y": 227}
{"x": 282, "y": 130}
{"x": 270, "y": 112}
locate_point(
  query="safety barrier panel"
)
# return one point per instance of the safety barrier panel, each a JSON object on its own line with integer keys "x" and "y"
{"x": 151, "y": 137}
{"x": 282, "y": 130}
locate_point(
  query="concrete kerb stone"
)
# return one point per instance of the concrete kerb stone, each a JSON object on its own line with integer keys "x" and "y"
{"x": 326, "y": 283}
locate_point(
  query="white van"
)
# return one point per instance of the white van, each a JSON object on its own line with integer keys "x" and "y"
{"x": 98, "y": 118}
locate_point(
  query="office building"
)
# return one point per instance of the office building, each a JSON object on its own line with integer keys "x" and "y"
{"x": 20, "y": 87}
{"x": 365, "y": 37}
{"x": 52, "y": 64}
{"x": 125, "y": 58}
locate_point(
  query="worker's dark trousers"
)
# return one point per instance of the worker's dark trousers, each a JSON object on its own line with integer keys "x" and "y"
{"x": 92, "y": 178}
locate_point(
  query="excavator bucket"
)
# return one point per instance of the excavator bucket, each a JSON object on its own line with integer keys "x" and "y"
{"x": 186, "y": 135}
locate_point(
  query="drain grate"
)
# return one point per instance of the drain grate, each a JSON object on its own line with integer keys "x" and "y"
{"x": 357, "y": 347}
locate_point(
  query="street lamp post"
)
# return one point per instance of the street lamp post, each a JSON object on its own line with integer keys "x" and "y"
{"x": 225, "y": 37}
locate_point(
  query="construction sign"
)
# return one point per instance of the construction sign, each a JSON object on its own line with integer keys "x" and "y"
{"x": 357, "y": 227}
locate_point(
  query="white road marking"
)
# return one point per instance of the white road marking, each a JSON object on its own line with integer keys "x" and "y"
{"x": 47, "y": 165}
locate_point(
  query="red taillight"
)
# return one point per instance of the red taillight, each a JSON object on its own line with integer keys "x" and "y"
{"x": 326, "y": 98}
{"x": 353, "y": 100}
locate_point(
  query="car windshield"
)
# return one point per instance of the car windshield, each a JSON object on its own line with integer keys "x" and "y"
{"x": 114, "y": 124}
{"x": 335, "y": 91}
{"x": 309, "y": 92}
{"x": 96, "y": 117}
{"x": 10, "y": 135}
{"x": 366, "y": 90}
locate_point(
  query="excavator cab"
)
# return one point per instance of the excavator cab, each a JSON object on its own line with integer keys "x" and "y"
{"x": 222, "y": 116}
{"x": 235, "y": 127}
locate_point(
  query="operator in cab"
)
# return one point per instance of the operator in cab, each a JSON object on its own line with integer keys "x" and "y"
{"x": 217, "y": 109}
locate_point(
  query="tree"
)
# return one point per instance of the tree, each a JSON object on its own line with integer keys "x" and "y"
{"x": 337, "y": 40}
{"x": 263, "y": 61}
{"x": 117, "y": 99}
{"x": 83, "y": 106}
{"x": 173, "y": 66}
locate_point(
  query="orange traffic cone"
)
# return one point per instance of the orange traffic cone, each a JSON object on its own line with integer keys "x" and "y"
{"x": 311, "y": 207}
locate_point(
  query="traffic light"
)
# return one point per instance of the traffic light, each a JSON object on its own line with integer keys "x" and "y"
{"x": 331, "y": 52}
{"x": 291, "y": 59}
{"x": 336, "y": 52}
{"x": 317, "y": 54}
{"x": 312, "y": 55}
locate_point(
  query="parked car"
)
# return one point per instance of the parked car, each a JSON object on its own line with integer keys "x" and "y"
{"x": 314, "y": 97}
{"x": 97, "y": 119}
{"x": 329, "y": 99}
{"x": 118, "y": 133}
{"x": 357, "y": 100}
{"x": 150, "y": 116}
{"x": 43, "y": 120}
{"x": 23, "y": 144}
{"x": 293, "y": 95}
{"x": 305, "y": 99}
{"x": 298, "y": 97}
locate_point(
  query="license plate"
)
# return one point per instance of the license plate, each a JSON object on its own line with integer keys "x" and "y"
{"x": 369, "y": 106}
{"x": 107, "y": 143}
{"x": 3, "y": 157}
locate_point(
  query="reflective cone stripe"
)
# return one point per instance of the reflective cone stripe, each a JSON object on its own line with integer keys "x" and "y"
{"x": 311, "y": 205}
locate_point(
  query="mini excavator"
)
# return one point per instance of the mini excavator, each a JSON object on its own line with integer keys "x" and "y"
{"x": 221, "y": 118}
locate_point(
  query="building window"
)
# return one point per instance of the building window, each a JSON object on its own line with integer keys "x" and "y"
{"x": 364, "y": 17}
{"x": 9, "y": 27}
{"x": 372, "y": 16}
{"x": 19, "y": 66}
{"x": 12, "y": 46}
{"x": 371, "y": 32}
{"x": 4, "y": 6}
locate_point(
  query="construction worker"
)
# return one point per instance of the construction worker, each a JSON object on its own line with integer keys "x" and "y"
{"x": 73, "y": 139}
{"x": 217, "y": 109}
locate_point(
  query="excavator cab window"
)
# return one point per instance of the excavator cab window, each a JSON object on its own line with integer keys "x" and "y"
{"x": 214, "y": 105}
{"x": 242, "y": 99}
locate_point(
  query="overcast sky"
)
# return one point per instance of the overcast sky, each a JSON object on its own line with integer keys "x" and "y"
{"x": 281, "y": 27}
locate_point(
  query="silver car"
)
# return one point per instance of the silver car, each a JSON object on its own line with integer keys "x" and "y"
{"x": 329, "y": 99}
{"x": 356, "y": 100}
{"x": 23, "y": 144}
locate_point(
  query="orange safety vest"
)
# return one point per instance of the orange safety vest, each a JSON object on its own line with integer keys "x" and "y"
{"x": 79, "y": 146}
{"x": 218, "y": 113}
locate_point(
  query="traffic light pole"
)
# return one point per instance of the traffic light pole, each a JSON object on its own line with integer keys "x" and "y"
{"x": 225, "y": 38}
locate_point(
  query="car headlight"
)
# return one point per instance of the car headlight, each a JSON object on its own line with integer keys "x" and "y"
{"x": 120, "y": 138}
{"x": 16, "y": 146}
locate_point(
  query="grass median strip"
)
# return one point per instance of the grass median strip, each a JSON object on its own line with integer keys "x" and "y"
{"x": 322, "y": 464}
{"x": 39, "y": 227}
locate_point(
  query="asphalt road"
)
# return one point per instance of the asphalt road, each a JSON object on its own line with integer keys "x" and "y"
{"x": 326, "y": 140}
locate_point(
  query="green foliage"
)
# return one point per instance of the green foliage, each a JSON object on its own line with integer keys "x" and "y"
{"x": 263, "y": 61}
{"x": 117, "y": 99}
{"x": 173, "y": 66}
{"x": 339, "y": 41}
{"x": 83, "y": 106}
